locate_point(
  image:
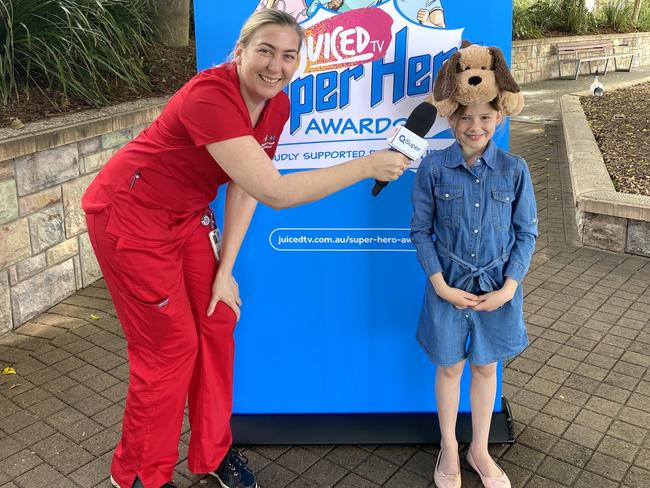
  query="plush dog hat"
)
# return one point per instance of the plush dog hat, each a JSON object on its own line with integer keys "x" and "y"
{"x": 476, "y": 74}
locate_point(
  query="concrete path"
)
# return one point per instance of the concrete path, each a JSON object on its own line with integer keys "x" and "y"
{"x": 580, "y": 393}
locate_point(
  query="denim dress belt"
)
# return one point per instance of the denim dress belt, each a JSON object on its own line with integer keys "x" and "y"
{"x": 473, "y": 275}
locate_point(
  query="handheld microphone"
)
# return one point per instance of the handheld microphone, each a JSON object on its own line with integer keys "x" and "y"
{"x": 408, "y": 139}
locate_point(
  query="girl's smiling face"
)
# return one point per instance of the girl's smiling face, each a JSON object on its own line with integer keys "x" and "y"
{"x": 474, "y": 126}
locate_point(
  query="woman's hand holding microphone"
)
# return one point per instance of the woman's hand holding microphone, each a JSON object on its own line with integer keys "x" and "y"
{"x": 387, "y": 165}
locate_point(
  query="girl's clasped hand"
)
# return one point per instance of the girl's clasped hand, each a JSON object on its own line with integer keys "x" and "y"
{"x": 487, "y": 302}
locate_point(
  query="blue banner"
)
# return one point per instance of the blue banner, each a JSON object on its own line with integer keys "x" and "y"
{"x": 332, "y": 290}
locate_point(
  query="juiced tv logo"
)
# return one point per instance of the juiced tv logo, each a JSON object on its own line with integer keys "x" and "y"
{"x": 348, "y": 39}
{"x": 362, "y": 72}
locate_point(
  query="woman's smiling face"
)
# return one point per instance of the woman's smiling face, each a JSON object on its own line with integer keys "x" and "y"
{"x": 267, "y": 62}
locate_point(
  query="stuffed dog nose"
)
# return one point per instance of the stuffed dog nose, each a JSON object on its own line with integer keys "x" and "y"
{"x": 474, "y": 80}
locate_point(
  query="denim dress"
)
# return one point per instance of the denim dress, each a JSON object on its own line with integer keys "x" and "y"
{"x": 477, "y": 225}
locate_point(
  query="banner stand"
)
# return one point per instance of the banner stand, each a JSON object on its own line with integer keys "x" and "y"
{"x": 389, "y": 428}
{"x": 326, "y": 348}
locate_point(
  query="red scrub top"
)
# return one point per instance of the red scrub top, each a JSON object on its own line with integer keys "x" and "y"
{"x": 157, "y": 182}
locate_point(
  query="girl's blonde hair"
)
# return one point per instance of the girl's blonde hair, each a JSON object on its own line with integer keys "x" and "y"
{"x": 494, "y": 103}
{"x": 269, "y": 16}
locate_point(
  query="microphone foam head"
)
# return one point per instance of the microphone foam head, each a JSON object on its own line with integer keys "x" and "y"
{"x": 421, "y": 119}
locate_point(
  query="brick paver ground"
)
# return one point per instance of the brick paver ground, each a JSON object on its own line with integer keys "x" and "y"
{"x": 580, "y": 393}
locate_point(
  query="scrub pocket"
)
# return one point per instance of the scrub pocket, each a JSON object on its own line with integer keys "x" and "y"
{"x": 153, "y": 292}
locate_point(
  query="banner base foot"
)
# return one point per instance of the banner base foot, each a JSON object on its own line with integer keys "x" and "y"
{"x": 393, "y": 428}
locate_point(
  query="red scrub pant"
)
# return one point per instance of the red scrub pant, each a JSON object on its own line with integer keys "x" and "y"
{"x": 161, "y": 291}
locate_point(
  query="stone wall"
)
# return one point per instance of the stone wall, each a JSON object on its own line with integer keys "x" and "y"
{"x": 45, "y": 253}
{"x": 618, "y": 234}
{"x": 606, "y": 219}
{"x": 536, "y": 59}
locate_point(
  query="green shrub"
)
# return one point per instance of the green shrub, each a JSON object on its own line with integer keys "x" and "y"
{"x": 523, "y": 23}
{"x": 616, "y": 15}
{"x": 546, "y": 14}
{"x": 80, "y": 47}
{"x": 574, "y": 17}
{"x": 533, "y": 19}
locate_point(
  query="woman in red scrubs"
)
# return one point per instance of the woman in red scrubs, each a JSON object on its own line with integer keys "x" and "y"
{"x": 148, "y": 219}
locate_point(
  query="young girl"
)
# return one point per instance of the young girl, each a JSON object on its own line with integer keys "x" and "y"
{"x": 478, "y": 201}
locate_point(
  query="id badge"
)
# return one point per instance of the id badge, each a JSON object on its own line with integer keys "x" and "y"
{"x": 215, "y": 242}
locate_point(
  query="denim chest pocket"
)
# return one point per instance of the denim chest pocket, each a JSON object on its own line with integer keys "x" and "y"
{"x": 449, "y": 204}
{"x": 502, "y": 207}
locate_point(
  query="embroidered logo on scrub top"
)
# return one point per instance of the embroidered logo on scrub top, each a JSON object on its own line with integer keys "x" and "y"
{"x": 269, "y": 141}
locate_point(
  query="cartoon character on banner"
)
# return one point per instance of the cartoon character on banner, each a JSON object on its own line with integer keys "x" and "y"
{"x": 295, "y": 8}
{"x": 426, "y": 12}
{"x": 341, "y": 6}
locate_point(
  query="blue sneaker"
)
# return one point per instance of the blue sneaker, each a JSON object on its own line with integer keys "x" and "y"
{"x": 233, "y": 471}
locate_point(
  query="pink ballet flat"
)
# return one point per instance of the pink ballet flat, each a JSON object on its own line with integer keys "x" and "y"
{"x": 443, "y": 480}
{"x": 500, "y": 481}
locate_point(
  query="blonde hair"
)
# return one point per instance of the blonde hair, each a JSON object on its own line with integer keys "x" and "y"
{"x": 494, "y": 103}
{"x": 269, "y": 16}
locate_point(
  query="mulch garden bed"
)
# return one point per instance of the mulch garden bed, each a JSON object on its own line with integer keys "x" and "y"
{"x": 620, "y": 120}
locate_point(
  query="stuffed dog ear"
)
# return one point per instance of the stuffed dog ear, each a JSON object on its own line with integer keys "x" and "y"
{"x": 510, "y": 103}
{"x": 445, "y": 83}
{"x": 465, "y": 43}
{"x": 502, "y": 72}
{"x": 446, "y": 107}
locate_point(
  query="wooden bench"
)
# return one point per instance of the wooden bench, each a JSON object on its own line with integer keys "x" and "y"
{"x": 588, "y": 51}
